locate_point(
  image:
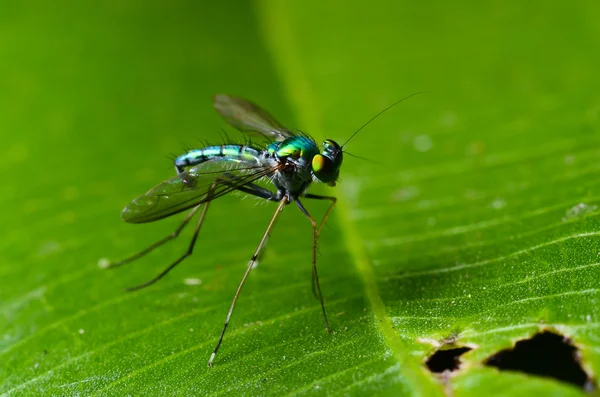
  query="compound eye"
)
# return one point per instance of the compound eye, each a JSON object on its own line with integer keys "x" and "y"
{"x": 319, "y": 163}
{"x": 328, "y": 144}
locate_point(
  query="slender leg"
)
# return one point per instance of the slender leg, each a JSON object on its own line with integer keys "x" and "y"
{"x": 255, "y": 190}
{"x": 258, "y": 191}
{"x": 151, "y": 248}
{"x": 333, "y": 201}
{"x": 282, "y": 203}
{"x": 313, "y": 284}
{"x": 314, "y": 261}
{"x": 328, "y": 212}
{"x": 249, "y": 188}
{"x": 182, "y": 257}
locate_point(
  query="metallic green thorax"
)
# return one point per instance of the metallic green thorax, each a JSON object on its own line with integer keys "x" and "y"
{"x": 295, "y": 154}
{"x": 295, "y": 147}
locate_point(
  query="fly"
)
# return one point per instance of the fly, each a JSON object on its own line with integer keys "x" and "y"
{"x": 291, "y": 162}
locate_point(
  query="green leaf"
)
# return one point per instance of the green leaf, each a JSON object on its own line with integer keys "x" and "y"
{"x": 474, "y": 219}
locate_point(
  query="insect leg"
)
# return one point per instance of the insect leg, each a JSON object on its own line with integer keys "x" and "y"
{"x": 282, "y": 203}
{"x": 314, "y": 260}
{"x": 258, "y": 191}
{"x": 333, "y": 201}
{"x": 158, "y": 243}
{"x": 189, "y": 250}
{"x": 255, "y": 190}
{"x": 249, "y": 188}
{"x": 328, "y": 212}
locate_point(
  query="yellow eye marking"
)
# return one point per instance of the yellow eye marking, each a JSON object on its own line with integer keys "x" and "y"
{"x": 318, "y": 162}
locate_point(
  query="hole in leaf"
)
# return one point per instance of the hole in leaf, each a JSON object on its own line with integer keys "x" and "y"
{"x": 545, "y": 354}
{"x": 446, "y": 360}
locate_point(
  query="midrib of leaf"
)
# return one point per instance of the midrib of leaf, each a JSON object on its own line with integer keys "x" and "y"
{"x": 280, "y": 41}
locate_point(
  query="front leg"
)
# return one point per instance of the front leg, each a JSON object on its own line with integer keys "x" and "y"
{"x": 328, "y": 212}
{"x": 314, "y": 260}
{"x": 333, "y": 201}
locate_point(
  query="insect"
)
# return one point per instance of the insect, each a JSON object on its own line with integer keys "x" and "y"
{"x": 291, "y": 162}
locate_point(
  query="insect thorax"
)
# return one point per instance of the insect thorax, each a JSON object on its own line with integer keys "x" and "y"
{"x": 295, "y": 154}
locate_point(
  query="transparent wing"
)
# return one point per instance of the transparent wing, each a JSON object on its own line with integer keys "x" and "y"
{"x": 250, "y": 118}
{"x": 195, "y": 186}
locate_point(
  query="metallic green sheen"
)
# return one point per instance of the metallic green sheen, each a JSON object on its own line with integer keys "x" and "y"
{"x": 307, "y": 148}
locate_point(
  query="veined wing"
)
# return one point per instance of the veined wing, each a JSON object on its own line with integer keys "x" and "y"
{"x": 249, "y": 118}
{"x": 195, "y": 186}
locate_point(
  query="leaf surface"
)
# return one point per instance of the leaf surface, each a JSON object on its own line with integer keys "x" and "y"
{"x": 474, "y": 218}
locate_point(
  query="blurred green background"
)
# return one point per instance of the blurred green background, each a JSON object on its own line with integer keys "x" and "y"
{"x": 474, "y": 218}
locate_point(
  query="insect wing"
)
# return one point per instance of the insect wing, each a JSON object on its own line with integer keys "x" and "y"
{"x": 189, "y": 189}
{"x": 249, "y": 118}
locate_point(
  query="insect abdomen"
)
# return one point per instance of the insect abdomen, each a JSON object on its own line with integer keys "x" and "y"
{"x": 224, "y": 152}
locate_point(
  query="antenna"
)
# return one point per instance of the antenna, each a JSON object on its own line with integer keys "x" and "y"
{"x": 382, "y": 112}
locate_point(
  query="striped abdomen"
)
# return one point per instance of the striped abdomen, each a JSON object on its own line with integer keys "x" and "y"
{"x": 223, "y": 152}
